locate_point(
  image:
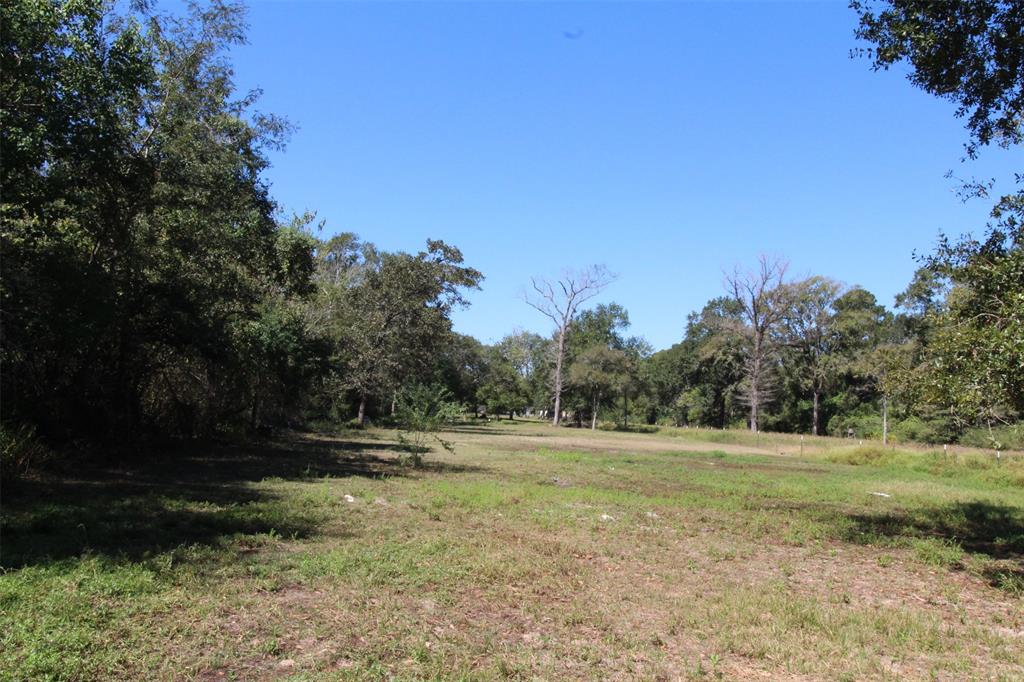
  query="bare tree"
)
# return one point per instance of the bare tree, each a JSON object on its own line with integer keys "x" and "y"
{"x": 560, "y": 301}
{"x": 764, "y": 298}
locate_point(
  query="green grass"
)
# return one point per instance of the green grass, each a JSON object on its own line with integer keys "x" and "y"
{"x": 531, "y": 552}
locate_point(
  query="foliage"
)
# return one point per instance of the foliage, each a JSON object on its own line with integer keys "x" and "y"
{"x": 976, "y": 349}
{"x": 516, "y": 376}
{"x": 504, "y": 390}
{"x": 969, "y": 53}
{"x": 20, "y": 451}
{"x": 810, "y": 328}
{"x": 862, "y": 423}
{"x": 605, "y": 367}
{"x": 423, "y": 412}
{"x": 139, "y": 239}
{"x": 972, "y": 54}
{"x": 1010, "y": 437}
{"x": 385, "y": 313}
{"x": 916, "y": 429}
{"x": 599, "y": 372}
{"x": 151, "y": 290}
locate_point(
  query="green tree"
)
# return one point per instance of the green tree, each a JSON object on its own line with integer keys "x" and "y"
{"x": 387, "y": 313}
{"x": 139, "y": 238}
{"x": 975, "y": 352}
{"x": 461, "y": 364}
{"x": 423, "y": 412}
{"x": 890, "y": 367}
{"x": 704, "y": 370}
{"x": 601, "y": 326}
{"x": 599, "y": 371}
{"x": 634, "y": 384}
{"x": 809, "y": 326}
{"x": 971, "y": 53}
{"x": 505, "y": 388}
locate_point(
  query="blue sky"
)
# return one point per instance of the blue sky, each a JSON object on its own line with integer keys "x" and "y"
{"x": 667, "y": 141}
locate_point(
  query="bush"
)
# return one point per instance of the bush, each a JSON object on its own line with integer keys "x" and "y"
{"x": 1005, "y": 437}
{"x": 864, "y": 425}
{"x": 20, "y": 451}
{"x": 422, "y": 412}
{"x": 917, "y": 430}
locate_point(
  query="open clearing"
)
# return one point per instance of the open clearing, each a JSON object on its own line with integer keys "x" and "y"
{"x": 531, "y": 552}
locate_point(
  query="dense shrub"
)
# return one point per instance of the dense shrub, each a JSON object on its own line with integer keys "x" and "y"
{"x": 20, "y": 451}
{"x": 1007, "y": 437}
{"x": 864, "y": 425}
{"x": 918, "y": 430}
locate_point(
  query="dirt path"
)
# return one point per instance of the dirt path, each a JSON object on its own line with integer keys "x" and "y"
{"x": 599, "y": 441}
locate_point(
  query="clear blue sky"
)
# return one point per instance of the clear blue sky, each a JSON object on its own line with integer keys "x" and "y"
{"x": 667, "y": 141}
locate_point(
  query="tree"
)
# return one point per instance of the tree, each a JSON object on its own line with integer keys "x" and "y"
{"x": 921, "y": 303}
{"x": 695, "y": 382}
{"x": 139, "y": 240}
{"x": 809, "y": 324}
{"x": 388, "y": 312}
{"x": 599, "y": 371}
{"x": 560, "y": 301}
{"x": 423, "y": 412}
{"x": 860, "y": 321}
{"x": 504, "y": 389}
{"x": 890, "y": 367}
{"x": 972, "y": 54}
{"x": 976, "y": 347}
{"x": 763, "y": 299}
{"x": 637, "y": 352}
{"x": 461, "y": 364}
{"x": 603, "y": 325}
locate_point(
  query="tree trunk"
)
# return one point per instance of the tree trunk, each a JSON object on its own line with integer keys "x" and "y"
{"x": 885, "y": 420}
{"x": 558, "y": 377}
{"x": 394, "y": 404}
{"x": 254, "y": 414}
{"x": 361, "y": 418}
{"x": 755, "y": 388}
{"x": 753, "y": 413}
{"x": 593, "y": 414}
{"x": 625, "y": 409}
{"x": 126, "y": 387}
{"x": 814, "y": 418}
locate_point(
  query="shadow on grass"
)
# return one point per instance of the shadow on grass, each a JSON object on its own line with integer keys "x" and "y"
{"x": 632, "y": 428}
{"x": 979, "y": 527}
{"x": 203, "y": 496}
{"x": 485, "y": 428}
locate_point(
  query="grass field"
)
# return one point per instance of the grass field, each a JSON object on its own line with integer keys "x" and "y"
{"x": 530, "y": 552}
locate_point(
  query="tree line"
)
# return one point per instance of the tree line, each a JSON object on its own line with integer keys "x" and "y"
{"x": 152, "y": 290}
